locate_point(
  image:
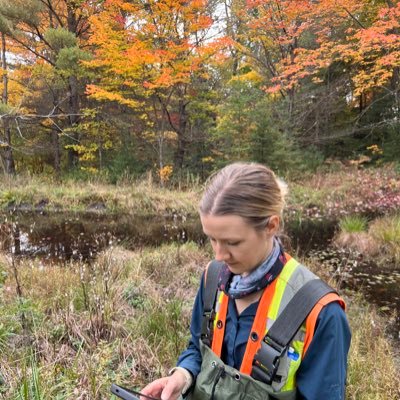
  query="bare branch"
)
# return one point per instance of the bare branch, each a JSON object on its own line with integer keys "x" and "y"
{"x": 354, "y": 18}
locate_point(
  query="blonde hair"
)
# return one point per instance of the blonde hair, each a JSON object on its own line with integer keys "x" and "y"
{"x": 249, "y": 190}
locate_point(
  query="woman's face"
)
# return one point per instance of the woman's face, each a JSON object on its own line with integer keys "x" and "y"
{"x": 237, "y": 243}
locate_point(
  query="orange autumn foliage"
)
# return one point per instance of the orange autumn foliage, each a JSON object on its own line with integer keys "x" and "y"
{"x": 361, "y": 35}
{"x": 151, "y": 46}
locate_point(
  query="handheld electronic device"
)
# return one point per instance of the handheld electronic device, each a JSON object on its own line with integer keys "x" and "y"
{"x": 128, "y": 394}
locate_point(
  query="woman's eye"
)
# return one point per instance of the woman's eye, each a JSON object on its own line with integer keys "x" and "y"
{"x": 233, "y": 243}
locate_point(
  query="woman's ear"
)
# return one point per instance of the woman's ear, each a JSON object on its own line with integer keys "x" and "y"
{"x": 272, "y": 227}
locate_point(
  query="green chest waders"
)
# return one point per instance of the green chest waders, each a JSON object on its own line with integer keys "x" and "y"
{"x": 218, "y": 381}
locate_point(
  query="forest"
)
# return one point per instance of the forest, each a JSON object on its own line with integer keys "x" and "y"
{"x": 112, "y": 88}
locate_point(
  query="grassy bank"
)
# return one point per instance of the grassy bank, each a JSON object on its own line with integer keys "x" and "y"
{"x": 131, "y": 197}
{"x": 346, "y": 191}
{"x": 73, "y": 330}
{"x": 329, "y": 194}
{"x": 378, "y": 239}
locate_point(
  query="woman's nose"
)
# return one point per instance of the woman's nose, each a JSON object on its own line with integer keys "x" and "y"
{"x": 221, "y": 254}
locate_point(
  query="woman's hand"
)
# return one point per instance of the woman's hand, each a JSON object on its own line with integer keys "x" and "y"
{"x": 168, "y": 388}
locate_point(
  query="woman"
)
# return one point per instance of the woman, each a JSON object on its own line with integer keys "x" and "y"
{"x": 241, "y": 213}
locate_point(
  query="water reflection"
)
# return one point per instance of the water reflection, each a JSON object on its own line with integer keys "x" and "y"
{"x": 81, "y": 237}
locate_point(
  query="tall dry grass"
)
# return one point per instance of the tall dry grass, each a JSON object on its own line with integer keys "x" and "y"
{"x": 77, "y": 328}
{"x": 124, "y": 318}
{"x": 373, "y": 371}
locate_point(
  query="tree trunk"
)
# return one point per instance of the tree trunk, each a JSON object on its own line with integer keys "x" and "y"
{"x": 74, "y": 108}
{"x": 7, "y": 153}
{"x": 55, "y": 139}
{"x": 56, "y": 152}
{"x": 182, "y": 141}
{"x": 73, "y": 156}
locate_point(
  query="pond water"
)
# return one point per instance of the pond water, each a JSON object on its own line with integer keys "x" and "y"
{"x": 379, "y": 284}
{"x": 59, "y": 237}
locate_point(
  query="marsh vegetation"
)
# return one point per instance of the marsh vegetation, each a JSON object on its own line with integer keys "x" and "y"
{"x": 72, "y": 324}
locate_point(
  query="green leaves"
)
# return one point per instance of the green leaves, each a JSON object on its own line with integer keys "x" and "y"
{"x": 60, "y": 38}
{"x": 25, "y": 11}
{"x": 245, "y": 128}
{"x": 6, "y": 109}
{"x": 5, "y": 25}
{"x": 68, "y": 55}
{"x": 69, "y": 58}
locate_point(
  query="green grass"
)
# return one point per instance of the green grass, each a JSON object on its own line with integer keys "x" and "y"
{"x": 353, "y": 224}
{"x": 31, "y": 385}
{"x": 5, "y": 334}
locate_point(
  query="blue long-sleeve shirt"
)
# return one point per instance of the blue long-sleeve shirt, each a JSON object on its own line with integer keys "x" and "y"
{"x": 322, "y": 372}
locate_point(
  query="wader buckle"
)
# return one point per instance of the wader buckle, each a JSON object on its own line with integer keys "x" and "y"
{"x": 266, "y": 361}
{"x": 207, "y": 327}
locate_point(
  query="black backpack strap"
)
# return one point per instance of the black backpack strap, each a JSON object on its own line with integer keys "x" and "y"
{"x": 282, "y": 332}
{"x": 210, "y": 290}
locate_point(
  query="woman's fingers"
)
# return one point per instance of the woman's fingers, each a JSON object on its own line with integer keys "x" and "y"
{"x": 155, "y": 388}
{"x": 175, "y": 384}
{"x": 168, "y": 388}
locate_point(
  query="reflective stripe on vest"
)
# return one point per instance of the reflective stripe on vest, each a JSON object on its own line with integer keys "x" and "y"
{"x": 273, "y": 300}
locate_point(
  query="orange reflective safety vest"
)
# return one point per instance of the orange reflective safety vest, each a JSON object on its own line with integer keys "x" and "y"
{"x": 272, "y": 302}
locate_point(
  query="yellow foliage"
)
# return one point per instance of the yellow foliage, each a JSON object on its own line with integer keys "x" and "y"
{"x": 171, "y": 135}
{"x": 375, "y": 149}
{"x": 88, "y": 156}
{"x": 108, "y": 144}
{"x": 16, "y": 89}
{"x": 165, "y": 173}
{"x": 92, "y": 170}
{"x": 146, "y": 51}
{"x": 47, "y": 122}
{"x": 251, "y": 76}
{"x": 103, "y": 94}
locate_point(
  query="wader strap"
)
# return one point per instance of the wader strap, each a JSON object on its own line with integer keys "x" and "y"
{"x": 209, "y": 297}
{"x": 281, "y": 333}
{"x": 297, "y": 310}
